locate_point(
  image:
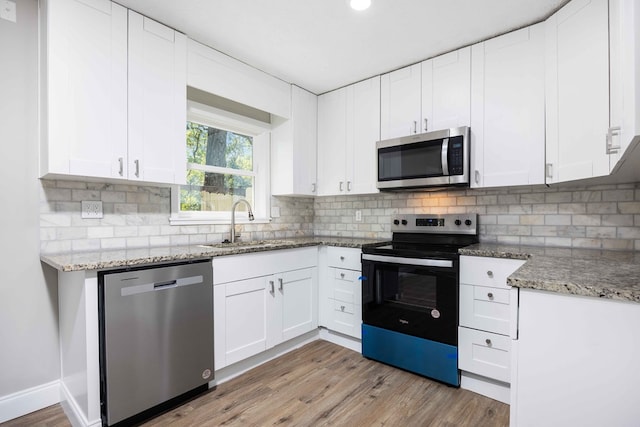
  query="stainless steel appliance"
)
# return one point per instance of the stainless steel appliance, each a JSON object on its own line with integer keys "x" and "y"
{"x": 156, "y": 338}
{"x": 433, "y": 159}
{"x": 410, "y": 294}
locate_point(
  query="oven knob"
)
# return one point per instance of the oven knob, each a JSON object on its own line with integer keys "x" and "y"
{"x": 458, "y": 222}
{"x": 467, "y": 222}
{"x": 396, "y": 222}
{"x": 404, "y": 222}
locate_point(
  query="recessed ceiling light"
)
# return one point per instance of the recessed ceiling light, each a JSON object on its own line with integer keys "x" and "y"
{"x": 360, "y": 4}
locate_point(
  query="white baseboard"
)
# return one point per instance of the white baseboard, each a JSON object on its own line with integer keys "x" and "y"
{"x": 73, "y": 412}
{"x": 342, "y": 340}
{"x": 493, "y": 389}
{"x": 26, "y": 401}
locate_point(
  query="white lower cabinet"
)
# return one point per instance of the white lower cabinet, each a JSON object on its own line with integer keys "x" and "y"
{"x": 488, "y": 323}
{"x": 261, "y": 300}
{"x": 341, "y": 296}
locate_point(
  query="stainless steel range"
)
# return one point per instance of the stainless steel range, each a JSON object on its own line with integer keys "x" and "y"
{"x": 410, "y": 294}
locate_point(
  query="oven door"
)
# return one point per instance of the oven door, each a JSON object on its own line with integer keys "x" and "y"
{"x": 417, "y": 297}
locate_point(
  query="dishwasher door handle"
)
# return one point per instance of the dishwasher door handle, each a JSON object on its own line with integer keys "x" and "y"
{"x": 168, "y": 284}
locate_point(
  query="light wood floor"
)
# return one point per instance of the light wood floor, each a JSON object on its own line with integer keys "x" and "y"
{"x": 322, "y": 384}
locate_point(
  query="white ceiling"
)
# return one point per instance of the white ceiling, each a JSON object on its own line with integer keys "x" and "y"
{"x": 322, "y": 45}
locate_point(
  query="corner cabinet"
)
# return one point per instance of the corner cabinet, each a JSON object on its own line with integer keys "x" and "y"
{"x": 488, "y": 323}
{"x": 577, "y": 91}
{"x": 262, "y": 300}
{"x": 507, "y": 109}
{"x": 113, "y": 94}
{"x": 293, "y": 147}
{"x": 348, "y": 129}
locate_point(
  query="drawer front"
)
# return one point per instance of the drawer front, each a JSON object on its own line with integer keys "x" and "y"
{"x": 485, "y": 308}
{"x": 346, "y": 275}
{"x": 347, "y": 321}
{"x": 348, "y": 258}
{"x": 485, "y": 354}
{"x": 346, "y": 286}
{"x": 492, "y": 272}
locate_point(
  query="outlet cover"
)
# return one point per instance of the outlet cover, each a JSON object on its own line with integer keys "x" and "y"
{"x": 358, "y": 216}
{"x": 92, "y": 209}
{"x": 8, "y": 10}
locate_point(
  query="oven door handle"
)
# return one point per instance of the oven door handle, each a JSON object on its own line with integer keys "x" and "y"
{"x": 409, "y": 261}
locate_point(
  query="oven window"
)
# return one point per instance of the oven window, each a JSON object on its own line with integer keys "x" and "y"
{"x": 411, "y": 287}
{"x": 418, "y": 160}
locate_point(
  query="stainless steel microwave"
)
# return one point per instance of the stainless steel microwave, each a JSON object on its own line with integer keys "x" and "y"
{"x": 432, "y": 159}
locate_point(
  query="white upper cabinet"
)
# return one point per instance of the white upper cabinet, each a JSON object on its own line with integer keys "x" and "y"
{"x": 348, "y": 128}
{"x": 400, "y": 102}
{"x": 113, "y": 94}
{"x": 84, "y": 88}
{"x": 294, "y": 146}
{"x": 446, "y": 91}
{"x": 157, "y": 101}
{"x": 577, "y": 91}
{"x": 507, "y": 109}
{"x": 624, "y": 44}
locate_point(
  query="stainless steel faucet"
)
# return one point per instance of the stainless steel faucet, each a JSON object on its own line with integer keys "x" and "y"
{"x": 233, "y": 217}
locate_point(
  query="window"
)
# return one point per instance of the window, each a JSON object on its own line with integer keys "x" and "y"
{"x": 227, "y": 159}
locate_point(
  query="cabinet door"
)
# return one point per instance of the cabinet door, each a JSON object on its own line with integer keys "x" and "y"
{"x": 85, "y": 116}
{"x": 294, "y": 147}
{"x": 332, "y": 137}
{"x": 507, "y": 126}
{"x": 577, "y": 91}
{"x": 297, "y": 292}
{"x": 446, "y": 91}
{"x": 241, "y": 317}
{"x": 157, "y": 102}
{"x": 400, "y": 102}
{"x": 363, "y": 131}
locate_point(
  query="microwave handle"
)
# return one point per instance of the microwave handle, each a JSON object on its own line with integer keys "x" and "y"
{"x": 445, "y": 157}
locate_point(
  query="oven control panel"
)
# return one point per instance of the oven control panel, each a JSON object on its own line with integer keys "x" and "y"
{"x": 434, "y": 223}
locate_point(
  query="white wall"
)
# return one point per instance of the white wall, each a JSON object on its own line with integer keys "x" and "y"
{"x": 29, "y": 355}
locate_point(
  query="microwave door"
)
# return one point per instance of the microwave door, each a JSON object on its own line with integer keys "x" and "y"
{"x": 423, "y": 163}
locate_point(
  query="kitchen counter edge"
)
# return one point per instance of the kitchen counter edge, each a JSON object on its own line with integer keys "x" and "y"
{"x": 596, "y": 273}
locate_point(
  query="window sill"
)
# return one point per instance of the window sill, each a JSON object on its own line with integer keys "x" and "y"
{"x": 176, "y": 220}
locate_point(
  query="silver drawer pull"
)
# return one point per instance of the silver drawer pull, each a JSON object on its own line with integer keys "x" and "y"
{"x": 341, "y": 258}
{"x": 280, "y": 286}
{"x": 342, "y": 308}
{"x": 273, "y": 289}
{"x": 488, "y": 341}
{"x": 342, "y": 275}
{"x": 490, "y": 273}
{"x": 490, "y": 295}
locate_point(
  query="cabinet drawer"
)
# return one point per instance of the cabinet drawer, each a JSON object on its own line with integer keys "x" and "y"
{"x": 346, "y": 319}
{"x": 485, "y": 354}
{"x": 344, "y": 258}
{"x": 491, "y": 272}
{"x": 346, "y": 275}
{"x": 486, "y": 308}
{"x": 343, "y": 307}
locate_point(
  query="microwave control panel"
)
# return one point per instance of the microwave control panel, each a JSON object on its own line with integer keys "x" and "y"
{"x": 456, "y": 156}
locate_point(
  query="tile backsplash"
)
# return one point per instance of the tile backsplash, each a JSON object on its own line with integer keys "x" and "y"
{"x": 604, "y": 216}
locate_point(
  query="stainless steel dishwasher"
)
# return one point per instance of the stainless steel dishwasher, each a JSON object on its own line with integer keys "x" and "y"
{"x": 156, "y": 338}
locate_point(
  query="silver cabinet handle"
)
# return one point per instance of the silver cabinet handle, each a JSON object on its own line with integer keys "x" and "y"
{"x": 549, "y": 170}
{"x": 415, "y": 126}
{"x": 342, "y": 275}
{"x": 121, "y": 170}
{"x": 341, "y": 258}
{"x": 280, "y": 285}
{"x": 313, "y": 187}
{"x": 611, "y": 132}
{"x": 342, "y": 308}
{"x": 426, "y": 121}
{"x": 340, "y": 186}
{"x": 137, "y": 163}
{"x": 490, "y": 295}
{"x": 348, "y": 185}
{"x": 273, "y": 288}
{"x": 488, "y": 341}
{"x": 490, "y": 273}
{"x": 477, "y": 176}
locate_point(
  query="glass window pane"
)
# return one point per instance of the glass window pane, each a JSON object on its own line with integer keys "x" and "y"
{"x": 216, "y": 147}
{"x": 215, "y": 192}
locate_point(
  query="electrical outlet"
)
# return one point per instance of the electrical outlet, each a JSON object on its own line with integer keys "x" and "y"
{"x": 358, "y": 216}
{"x": 92, "y": 209}
{"x": 8, "y": 10}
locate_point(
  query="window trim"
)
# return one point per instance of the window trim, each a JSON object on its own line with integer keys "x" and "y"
{"x": 260, "y": 132}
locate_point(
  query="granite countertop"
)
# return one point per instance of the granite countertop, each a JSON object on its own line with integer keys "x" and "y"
{"x": 101, "y": 260}
{"x": 586, "y": 272}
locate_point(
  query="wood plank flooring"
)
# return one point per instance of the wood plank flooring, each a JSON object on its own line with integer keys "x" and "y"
{"x": 322, "y": 384}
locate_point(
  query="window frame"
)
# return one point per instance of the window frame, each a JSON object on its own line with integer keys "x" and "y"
{"x": 260, "y": 132}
